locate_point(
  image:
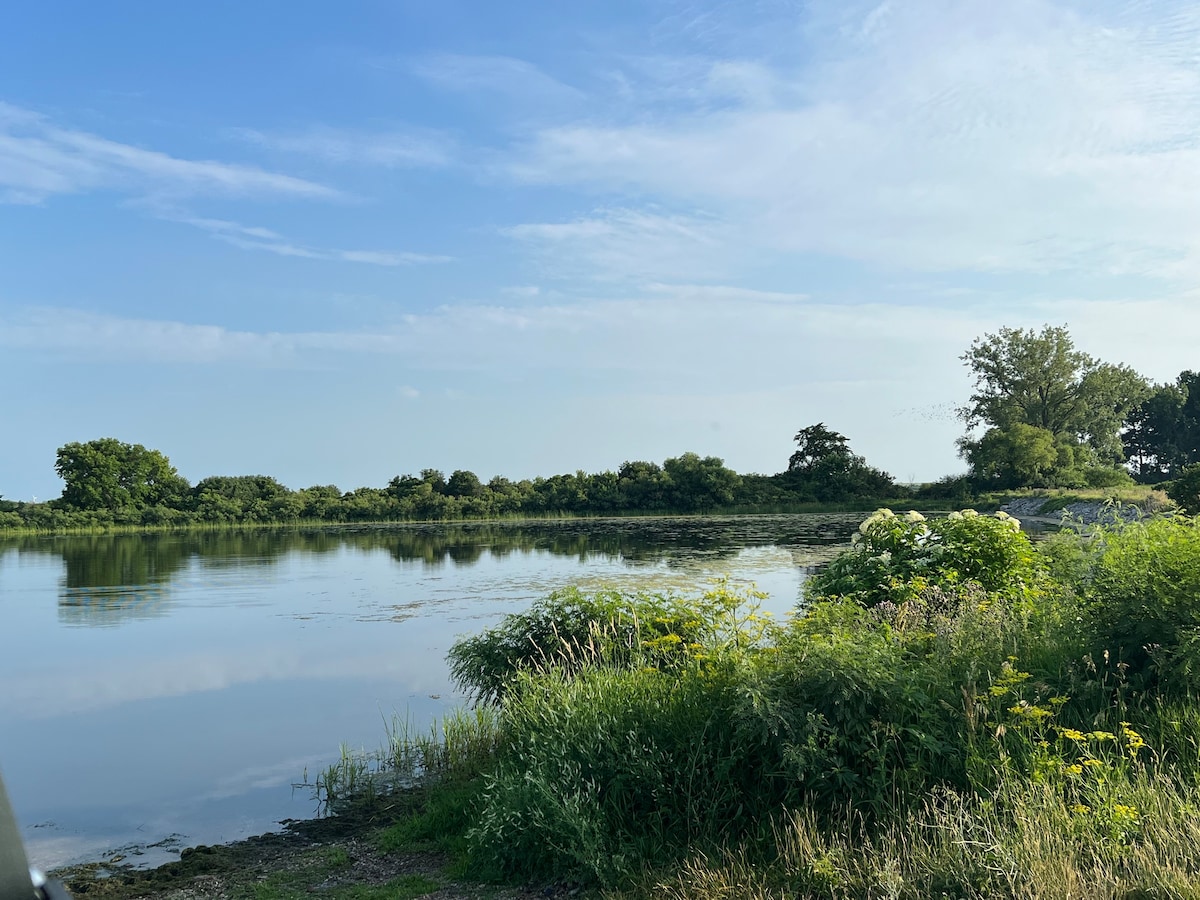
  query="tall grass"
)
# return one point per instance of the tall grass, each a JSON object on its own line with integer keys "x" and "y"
{"x": 460, "y": 746}
{"x": 951, "y": 713}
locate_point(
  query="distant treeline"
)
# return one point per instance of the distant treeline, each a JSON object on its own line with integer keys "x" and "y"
{"x": 109, "y": 482}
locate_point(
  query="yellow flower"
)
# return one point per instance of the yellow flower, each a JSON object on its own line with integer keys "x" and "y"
{"x": 1121, "y": 811}
{"x": 1071, "y": 734}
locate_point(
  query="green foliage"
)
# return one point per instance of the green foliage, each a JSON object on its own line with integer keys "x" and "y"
{"x": 106, "y": 474}
{"x": 824, "y": 468}
{"x": 1185, "y": 490}
{"x": 603, "y": 771}
{"x": 1040, "y": 379}
{"x": 895, "y": 559}
{"x": 114, "y": 484}
{"x": 1162, "y": 436}
{"x": 1143, "y": 594}
{"x": 952, "y": 711}
{"x": 1018, "y": 455}
{"x": 571, "y": 631}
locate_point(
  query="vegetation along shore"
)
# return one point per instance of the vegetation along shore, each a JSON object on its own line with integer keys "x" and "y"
{"x": 954, "y": 710}
{"x": 1052, "y": 417}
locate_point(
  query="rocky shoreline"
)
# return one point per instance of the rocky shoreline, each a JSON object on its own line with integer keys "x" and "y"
{"x": 1054, "y": 511}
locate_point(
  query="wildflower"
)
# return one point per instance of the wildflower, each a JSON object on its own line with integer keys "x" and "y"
{"x": 914, "y": 516}
{"x": 1073, "y": 770}
{"x": 1027, "y": 710}
{"x": 1126, "y": 813}
{"x": 1102, "y": 736}
{"x": 954, "y": 516}
{"x": 1092, "y": 763}
{"x": 1072, "y": 735}
{"x": 1133, "y": 741}
{"x": 969, "y": 514}
{"x": 1080, "y": 809}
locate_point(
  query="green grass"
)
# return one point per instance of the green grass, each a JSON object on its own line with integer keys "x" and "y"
{"x": 405, "y": 887}
{"x": 956, "y": 712}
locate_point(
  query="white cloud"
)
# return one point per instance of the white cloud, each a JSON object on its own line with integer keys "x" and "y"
{"x": 618, "y": 244}
{"x": 39, "y": 159}
{"x": 705, "y": 334}
{"x": 255, "y": 238}
{"x": 505, "y": 75}
{"x": 931, "y": 135}
{"x": 390, "y": 149}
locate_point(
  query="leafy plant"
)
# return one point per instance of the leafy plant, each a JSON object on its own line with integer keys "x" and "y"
{"x": 895, "y": 559}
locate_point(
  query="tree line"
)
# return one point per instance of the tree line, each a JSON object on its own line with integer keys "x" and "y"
{"x": 109, "y": 482}
{"x": 1051, "y": 416}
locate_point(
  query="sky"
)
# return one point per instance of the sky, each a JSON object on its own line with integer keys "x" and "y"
{"x": 335, "y": 243}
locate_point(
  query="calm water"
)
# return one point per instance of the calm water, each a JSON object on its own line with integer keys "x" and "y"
{"x": 169, "y": 689}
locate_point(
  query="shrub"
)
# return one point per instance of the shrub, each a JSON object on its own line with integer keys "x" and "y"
{"x": 570, "y": 631}
{"x": 1144, "y": 601}
{"x": 896, "y": 558}
{"x": 1185, "y": 490}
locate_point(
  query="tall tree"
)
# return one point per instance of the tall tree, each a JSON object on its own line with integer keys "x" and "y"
{"x": 1039, "y": 379}
{"x": 1163, "y": 433}
{"x": 109, "y": 474}
{"x": 816, "y": 446}
{"x": 825, "y": 468}
{"x": 697, "y": 483}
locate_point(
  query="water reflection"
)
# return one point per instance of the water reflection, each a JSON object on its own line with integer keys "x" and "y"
{"x": 109, "y": 579}
{"x": 257, "y": 652}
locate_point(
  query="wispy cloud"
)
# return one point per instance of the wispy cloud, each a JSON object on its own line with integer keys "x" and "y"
{"x": 725, "y": 335}
{"x": 516, "y": 79}
{"x": 413, "y": 148}
{"x": 932, "y": 135}
{"x": 264, "y": 239}
{"x": 623, "y": 243}
{"x": 39, "y": 159}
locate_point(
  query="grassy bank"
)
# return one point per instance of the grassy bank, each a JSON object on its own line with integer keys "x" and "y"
{"x": 201, "y": 527}
{"x": 955, "y": 712}
{"x": 1055, "y": 500}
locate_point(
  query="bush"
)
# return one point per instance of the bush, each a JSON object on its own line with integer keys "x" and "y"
{"x": 895, "y": 559}
{"x": 1185, "y": 490}
{"x": 570, "y": 631}
{"x": 932, "y": 702}
{"x": 1144, "y": 601}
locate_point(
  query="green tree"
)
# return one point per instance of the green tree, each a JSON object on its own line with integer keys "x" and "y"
{"x": 111, "y": 475}
{"x": 1039, "y": 379}
{"x": 824, "y": 468}
{"x": 700, "y": 483}
{"x": 1020, "y": 455}
{"x": 464, "y": 483}
{"x": 1163, "y": 433}
{"x": 1185, "y": 490}
{"x": 819, "y": 447}
{"x": 643, "y": 485}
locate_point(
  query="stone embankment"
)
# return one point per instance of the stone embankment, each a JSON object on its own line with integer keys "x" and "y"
{"x": 1086, "y": 512}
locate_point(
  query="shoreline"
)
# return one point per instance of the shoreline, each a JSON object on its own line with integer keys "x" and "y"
{"x": 340, "y": 853}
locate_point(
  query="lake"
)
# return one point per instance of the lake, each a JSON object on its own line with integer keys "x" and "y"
{"x": 161, "y": 691}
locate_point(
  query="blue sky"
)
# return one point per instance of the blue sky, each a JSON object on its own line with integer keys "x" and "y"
{"x": 335, "y": 243}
